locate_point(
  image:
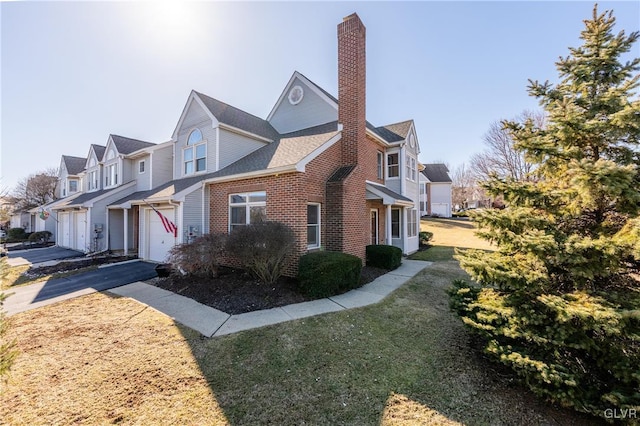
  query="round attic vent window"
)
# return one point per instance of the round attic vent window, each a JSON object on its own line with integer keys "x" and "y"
{"x": 412, "y": 140}
{"x": 295, "y": 95}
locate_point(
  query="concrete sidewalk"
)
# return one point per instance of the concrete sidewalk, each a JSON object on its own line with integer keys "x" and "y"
{"x": 212, "y": 322}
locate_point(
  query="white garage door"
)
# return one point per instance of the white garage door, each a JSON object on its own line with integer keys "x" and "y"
{"x": 63, "y": 220}
{"x": 440, "y": 209}
{"x": 160, "y": 241}
{"x": 80, "y": 229}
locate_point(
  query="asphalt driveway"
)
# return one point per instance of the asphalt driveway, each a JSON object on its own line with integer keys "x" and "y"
{"x": 27, "y": 257}
{"x": 104, "y": 278}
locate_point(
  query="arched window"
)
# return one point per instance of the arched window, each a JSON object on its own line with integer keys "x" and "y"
{"x": 194, "y": 155}
{"x": 194, "y": 137}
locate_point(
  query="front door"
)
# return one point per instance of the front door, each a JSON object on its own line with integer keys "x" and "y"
{"x": 374, "y": 226}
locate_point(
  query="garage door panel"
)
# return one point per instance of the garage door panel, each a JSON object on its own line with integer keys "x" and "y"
{"x": 160, "y": 241}
{"x": 63, "y": 219}
{"x": 439, "y": 209}
{"x": 80, "y": 229}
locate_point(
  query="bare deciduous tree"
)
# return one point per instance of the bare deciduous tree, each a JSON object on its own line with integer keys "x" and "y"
{"x": 463, "y": 183}
{"x": 35, "y": 190}
{"x": 500, "y": 156}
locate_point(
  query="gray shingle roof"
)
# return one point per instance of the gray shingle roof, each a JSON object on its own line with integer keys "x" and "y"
{"x": 128, "y": 145}
{"x": 389, "y": 192}
{"x": 99, "y": 150}
{"x": 286, "y": 151}
{"x": 235, "y": 117}
{"x": 436, "y": 172}
{"x": 395, "y": 132}
{"x": 74, "y": 165}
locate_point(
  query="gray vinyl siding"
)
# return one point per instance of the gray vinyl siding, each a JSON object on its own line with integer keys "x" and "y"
{"x": 196, "y": 117}
{"x": 161, "y": 166}
{"x": 394, "y": 185}
{"x": 192, "y": 211}
{"x": 128, "y": 174}
{"x": 143, "y": 180}
{"x": 99, "y": 215}
{"x": 116, "y": 229}
{"x": 234, "y": 146}
{"x": 311, "y": 111}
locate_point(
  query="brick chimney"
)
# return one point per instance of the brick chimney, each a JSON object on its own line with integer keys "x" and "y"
{"x": 347, "y": 224}
{"x": 351, "y": 86}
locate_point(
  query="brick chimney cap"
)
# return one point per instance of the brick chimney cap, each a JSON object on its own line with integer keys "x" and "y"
{"x": 353, "y": 15}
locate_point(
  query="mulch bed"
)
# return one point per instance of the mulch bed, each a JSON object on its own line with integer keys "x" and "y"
{"x": 68, "y": 266}
{"x": 235, "y": 291}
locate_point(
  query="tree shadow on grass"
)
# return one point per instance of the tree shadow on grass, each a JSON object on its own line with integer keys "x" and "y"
{"x": 406, "y": 358}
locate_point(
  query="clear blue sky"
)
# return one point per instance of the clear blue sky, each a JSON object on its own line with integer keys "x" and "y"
{"x": 74, "y": 72}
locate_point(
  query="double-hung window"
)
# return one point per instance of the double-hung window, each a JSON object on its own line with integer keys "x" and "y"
{"x": 411, "y": 168}
{"x": 247, "y": 208}
{"x": 313, "y": 226}
{"x": 392, "y": 165}
{"x": 93, "y": 180}
{"x": 73, "y": 186}
{"x": 111, "y": 175}
{"x": 412, "y": 223}
{"x": 380, "y": 165}
{"x": 395, "y": 223}
{"x": 194, "y": 156}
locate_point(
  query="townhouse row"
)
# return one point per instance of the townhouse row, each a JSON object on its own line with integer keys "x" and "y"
{"x": 315, "y": 163}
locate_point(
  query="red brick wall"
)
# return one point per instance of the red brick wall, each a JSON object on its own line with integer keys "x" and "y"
{"x": 287, "y": 198}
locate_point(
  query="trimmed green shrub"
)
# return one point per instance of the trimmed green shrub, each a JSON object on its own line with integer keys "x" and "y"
{"x": 425, "y": 237}
{"x": 40, "y": 237}
{"x": 383, "y": 256}
{"x": 16, "y": 234}
{"x": 327, "y": 273}
{"x": 262, "y": 248}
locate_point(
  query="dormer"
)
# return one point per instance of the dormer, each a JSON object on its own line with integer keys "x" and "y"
{"x": 118, "y": 168}
{"x": 211, "y": 134}
{"x": 93, "y": 168}
{"x": 69, "y": 181}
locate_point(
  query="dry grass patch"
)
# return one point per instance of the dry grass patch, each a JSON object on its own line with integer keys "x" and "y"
{"x": 100, "y": 359}
{"x": 454, "y": 233}
{"x": 407, "y": 360}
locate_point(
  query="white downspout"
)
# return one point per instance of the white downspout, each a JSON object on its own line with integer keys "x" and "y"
{"x": 388, "y": 225}
{"x": 126, "y": 231}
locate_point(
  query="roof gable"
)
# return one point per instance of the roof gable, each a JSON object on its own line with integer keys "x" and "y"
{"x": 96, "y": 152}
{"x": 126, "y": 146}
{"x": 235, "y": 118}
{"x": 298, "y": 78}
{"x": 436, "y": 173}
{"x": 73, "y": 165}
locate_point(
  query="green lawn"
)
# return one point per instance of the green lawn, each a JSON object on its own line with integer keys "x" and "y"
{"x": 407, "y": 360}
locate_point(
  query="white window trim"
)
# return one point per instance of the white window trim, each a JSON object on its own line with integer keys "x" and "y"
{"x": 399, "y": 223}
{"x": 194, "y": 160}
{"x": 411, "y": 167}
{"x": 111, "y": 179}
{"x": 144, "y": 167}
{"x": 318, "y": 226}
{"x": 398, "y": 165}
{"x": 411, "y": 221}
{"x": 248, "y": 204}
{"x": 380, "y": 165}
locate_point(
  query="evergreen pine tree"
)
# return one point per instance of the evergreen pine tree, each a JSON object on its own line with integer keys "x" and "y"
{"x": 559, "y": 300}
